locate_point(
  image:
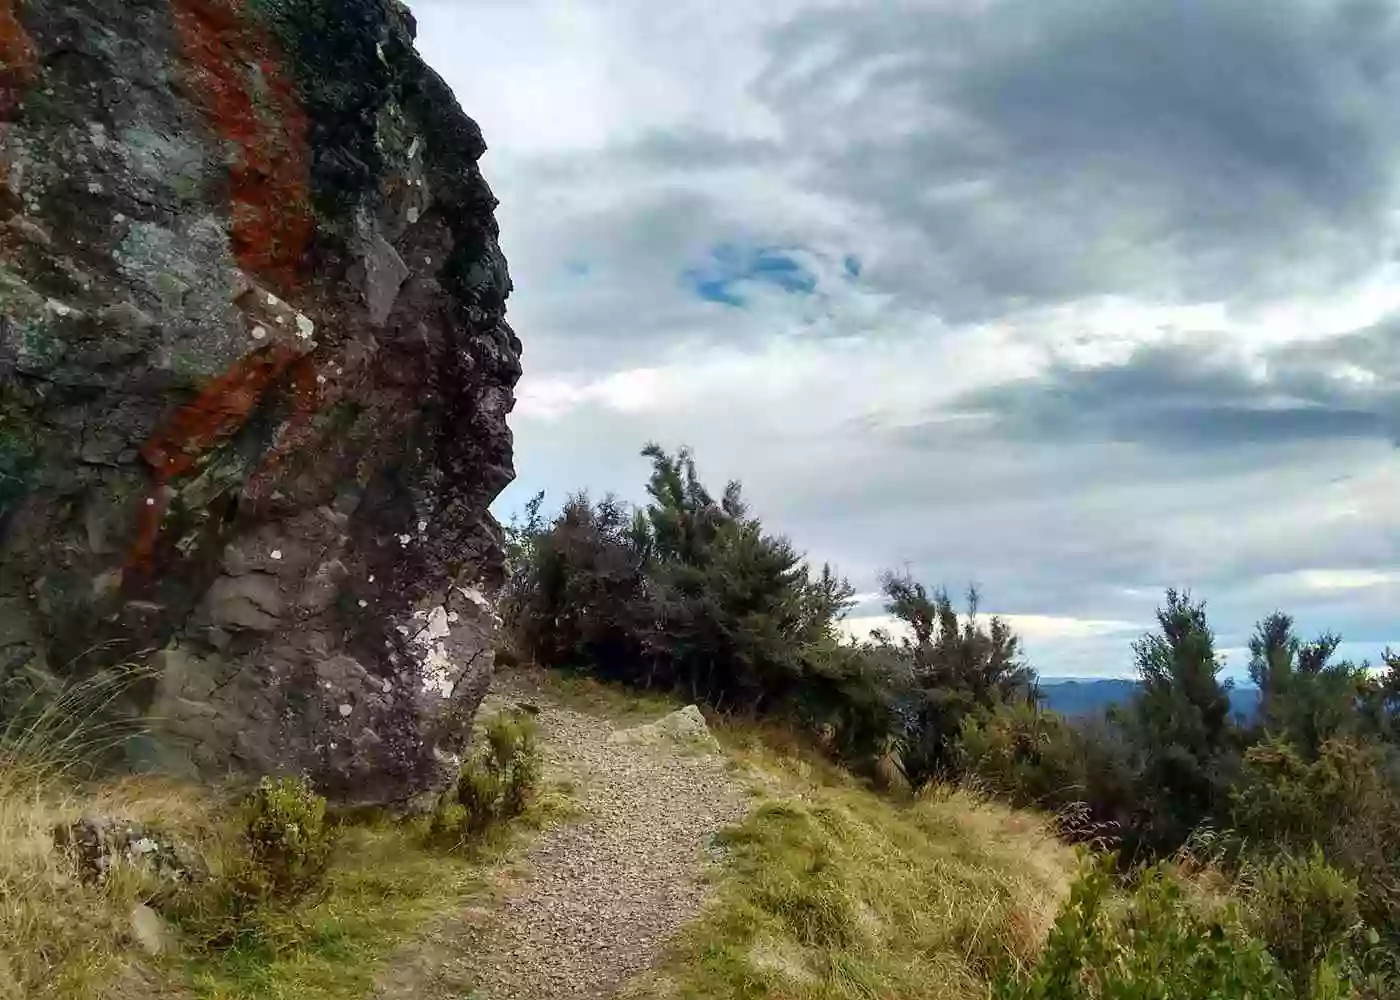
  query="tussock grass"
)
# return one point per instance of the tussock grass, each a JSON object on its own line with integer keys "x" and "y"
{"x": 59, "y": 937}
{"x": 830, "y": 891}
{"x": 65, "y": 939}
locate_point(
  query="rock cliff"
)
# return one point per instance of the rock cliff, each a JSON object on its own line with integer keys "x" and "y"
{"x": 254, "y": 379}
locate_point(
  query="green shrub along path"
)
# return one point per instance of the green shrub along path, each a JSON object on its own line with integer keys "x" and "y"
{"x": 597, "y": 897}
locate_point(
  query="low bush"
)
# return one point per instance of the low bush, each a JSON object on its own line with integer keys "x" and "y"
{"x": 497, "y": 781}
{"x": 1026, "y": 755}
{"x": 1155, "y": 945}
{"x": 1305, "y": 911}
{"x": 288, "y": 837}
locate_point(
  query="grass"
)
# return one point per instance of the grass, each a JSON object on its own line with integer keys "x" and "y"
{"x": 828, "y": 891}
{"x": 64, "y": 939}
{"x": 61, "y": 937}
{"x": 58, "y": 936}
{"x": 825, "y": 891}
{"x": 383, "y": 886}
{"x": 835, "y": 893}
{"x": 584, "y": 693}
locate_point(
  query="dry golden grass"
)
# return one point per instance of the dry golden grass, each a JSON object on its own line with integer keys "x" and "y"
{"x": 831, "y": 891}
{"x": 60, "y": 937}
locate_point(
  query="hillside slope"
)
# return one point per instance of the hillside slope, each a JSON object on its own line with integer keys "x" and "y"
{"x": 737, "y": 864}
{"x": 822, "y": 890}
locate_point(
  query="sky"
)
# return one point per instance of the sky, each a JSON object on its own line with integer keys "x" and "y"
{"x": 1073, "y": 300}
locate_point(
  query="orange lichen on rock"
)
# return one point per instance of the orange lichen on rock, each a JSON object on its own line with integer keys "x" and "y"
{"x": 236, "y": 73}
{"x": 212, "y": 418}
{"x": 19, "y": 63}
{"x": 297, "y": 434}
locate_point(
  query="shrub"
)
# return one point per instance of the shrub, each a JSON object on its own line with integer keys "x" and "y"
{"x": 288, "y": 837}
{"x": 1154, "y": 946}
{"x": 1024, "y": 754}
{"x": 1275, "y": 801}
{"x": 1341, "y": 802}
{"x": 1304, "y": 910}
{"x": 496, "y": 782}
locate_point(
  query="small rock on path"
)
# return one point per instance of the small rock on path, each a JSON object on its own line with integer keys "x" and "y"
{"x": 598, "y": 897}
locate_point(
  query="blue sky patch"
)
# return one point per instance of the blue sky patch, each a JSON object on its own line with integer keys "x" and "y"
{"x": 722, "y": 278}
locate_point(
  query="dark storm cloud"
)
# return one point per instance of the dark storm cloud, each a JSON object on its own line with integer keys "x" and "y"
{"x": 1034, "y": 152}
{"x": 1186, "y": 397}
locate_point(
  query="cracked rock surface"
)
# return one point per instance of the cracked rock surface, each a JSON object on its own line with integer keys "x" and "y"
{"x": 254, "y": 380}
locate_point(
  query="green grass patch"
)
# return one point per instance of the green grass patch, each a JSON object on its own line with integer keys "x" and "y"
{"x": 832, "y": 892}
{"x": 588, "y": 694}
{"x": 382, "y": 887}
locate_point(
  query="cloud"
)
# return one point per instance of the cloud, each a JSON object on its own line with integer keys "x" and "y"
{"x": 1019, "y": 153}
{"x": 1197, "y": 396}
{"x": 1072, "y": 300}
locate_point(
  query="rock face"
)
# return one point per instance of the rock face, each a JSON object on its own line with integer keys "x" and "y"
{"x": 254, "y": 379}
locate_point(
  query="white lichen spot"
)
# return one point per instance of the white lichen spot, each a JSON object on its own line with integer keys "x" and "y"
{"x": 453, "y": 617}
{"x": 364, "y": 603}
{"x": 334, "y": 745}
{"x": 320, "y": 380}
{"x": 405, "y": 539}
{"x": 387, "y": 687}
{"x": 305, "y": 328}
{"x": 438, "y": 623}
{"x": 281, "y": 320}
{"x": 150, "y": 501}
{"x": 371, "y": 578}
{"x": 430, "y": 650}
{"x": 94, "y": 187}
{"x": 259, "y": 332}
{"x": 422, "y": 525}
{"x": 276, "y": 554}
{"x": 345, "y": 711}
{"x": 446, "y": 757}
{"x": 477, "y": 598}
{"x": 412, "y": 216}
{"x": 119, "y": 218}
{"x": 273, "y": 300}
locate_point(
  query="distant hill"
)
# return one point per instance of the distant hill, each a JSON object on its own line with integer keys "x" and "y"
{"x": 1090, "y": 697}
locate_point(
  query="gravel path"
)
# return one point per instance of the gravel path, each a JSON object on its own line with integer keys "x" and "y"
{"x": 595, "y": 899}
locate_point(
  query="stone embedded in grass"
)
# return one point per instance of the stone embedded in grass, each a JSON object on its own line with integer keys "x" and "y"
{"x": 685, "y": 726}
{"x": 148, "y": 930}
{"x": 95, "y": 844}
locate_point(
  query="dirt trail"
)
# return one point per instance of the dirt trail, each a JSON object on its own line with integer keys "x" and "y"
{"x": 593, "y": 900}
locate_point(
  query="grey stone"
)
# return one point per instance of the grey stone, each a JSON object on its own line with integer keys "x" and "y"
{"x": 96, "y": 843}
{"x": 684, "y": 727}
{"x": 252, "y": 601}
{"x": 385, "y": 273}
{"x": 148, "y": 930}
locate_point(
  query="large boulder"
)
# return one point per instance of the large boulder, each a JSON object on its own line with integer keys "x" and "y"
{"x": 254, "y": 379}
